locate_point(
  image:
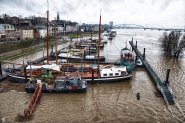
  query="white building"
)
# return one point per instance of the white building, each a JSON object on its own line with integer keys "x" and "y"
{"x": 71, "y": 28}
{"x": 59, "y": 30}
{"x": 27, "y": 33}
{"x": 18, "y": 33}
{"x": 2, "y": 32}
{"x": 9, "y": 32}
{"x": 42, "y": 33}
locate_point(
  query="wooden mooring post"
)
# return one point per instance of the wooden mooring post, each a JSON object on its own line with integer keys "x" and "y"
{"x": 92, "y": 76}
{"x": 0, "y": 69}
{"x": 167, "y": 77}
{"x": 136, "y": 45}
{"x": 144, "y": 53}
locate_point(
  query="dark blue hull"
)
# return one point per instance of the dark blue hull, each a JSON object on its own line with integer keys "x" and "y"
{"x": 32, "y": 90}
{"x": 16, "y": 79}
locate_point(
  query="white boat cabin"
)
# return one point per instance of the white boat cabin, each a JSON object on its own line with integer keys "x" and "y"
{"x": 90, "y": 57}
{"x": 113, "y": 72}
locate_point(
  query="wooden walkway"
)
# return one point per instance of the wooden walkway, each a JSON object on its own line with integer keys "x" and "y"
{"x": 163, "y": 88}
{"x": 34, "y": 101}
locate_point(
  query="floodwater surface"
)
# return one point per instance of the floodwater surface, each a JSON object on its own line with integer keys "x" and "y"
{"x": 115, "y": 102}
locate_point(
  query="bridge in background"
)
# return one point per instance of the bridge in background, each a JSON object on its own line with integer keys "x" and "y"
{"x": 135, "y": 26}
{"x": 165, "y": 29}
{"x": 128, "y": 26}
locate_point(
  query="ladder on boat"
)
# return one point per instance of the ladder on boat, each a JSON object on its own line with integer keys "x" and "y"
{"x": 34, "y": 100}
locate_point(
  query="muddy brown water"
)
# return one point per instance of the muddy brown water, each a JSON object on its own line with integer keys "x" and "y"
{"x": 115, "y": 102}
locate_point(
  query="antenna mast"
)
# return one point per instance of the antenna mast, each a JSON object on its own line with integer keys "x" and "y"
{"x": 47, "y": 39}
{"x": 99, "y": 40}
{"x": 55, "y": 29}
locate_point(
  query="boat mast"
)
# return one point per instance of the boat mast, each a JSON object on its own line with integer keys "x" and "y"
{"x": 55, "y": 30}
{"x": 99, "y": 41}
{"x": 47, "y": 37}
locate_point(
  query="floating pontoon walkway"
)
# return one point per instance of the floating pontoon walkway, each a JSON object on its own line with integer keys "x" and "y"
{"x": 163, "y": 88}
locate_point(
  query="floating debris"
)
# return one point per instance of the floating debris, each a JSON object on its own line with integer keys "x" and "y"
{"x": 138, "y": 96}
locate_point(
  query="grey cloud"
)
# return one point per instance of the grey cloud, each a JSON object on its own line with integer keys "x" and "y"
{"x": 165, "y": 4}
{"x": 28, "y": 5}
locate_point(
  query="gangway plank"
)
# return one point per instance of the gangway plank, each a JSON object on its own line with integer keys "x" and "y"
{"x": 34, "y": 101}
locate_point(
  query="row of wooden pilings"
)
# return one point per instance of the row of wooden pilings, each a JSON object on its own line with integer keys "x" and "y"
{"x": 1, "y": 69}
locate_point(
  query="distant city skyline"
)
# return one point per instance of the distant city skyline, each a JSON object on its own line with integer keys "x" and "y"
{"x": 152, "y": 13}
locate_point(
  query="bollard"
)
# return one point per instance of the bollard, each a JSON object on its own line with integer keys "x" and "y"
{"x": 0, "y": 69}
{"x": 144, "y": 53}
{"x": 132, "y": 39}
{"x": 167, "y": 77}
{"x": 136, "y": 44}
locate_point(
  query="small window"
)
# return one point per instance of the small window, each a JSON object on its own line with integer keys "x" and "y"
{"x": 104, "y": 74}
{"x": 110, "y": 74}
{"x": 116, "y": 74}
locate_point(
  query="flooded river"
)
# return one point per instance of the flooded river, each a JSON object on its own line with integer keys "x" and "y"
{"x": 111, "y": 103}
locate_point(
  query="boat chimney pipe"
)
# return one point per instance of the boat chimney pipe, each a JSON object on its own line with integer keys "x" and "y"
{"x": 25, "y": 74}
{"x": 144, "y": 53}
{"x": 0, "y": 69}
{"x": 52, "y": 48}
{"x": 13, "y": 68}
{"x": 89, "y": 51}
{"x": 167, "y": 76}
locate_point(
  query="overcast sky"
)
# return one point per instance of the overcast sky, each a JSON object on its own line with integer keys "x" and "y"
{"x": 166, "y": 13}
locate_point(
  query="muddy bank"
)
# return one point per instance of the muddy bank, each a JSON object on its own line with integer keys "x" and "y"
{"x": 13, "y": 100}
{"x": 6, "y": 86}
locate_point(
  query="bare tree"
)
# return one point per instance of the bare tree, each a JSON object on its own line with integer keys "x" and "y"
{"x": 173, "y": 43}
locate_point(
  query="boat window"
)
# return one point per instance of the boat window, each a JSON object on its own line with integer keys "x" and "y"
{"x": 116, "y": 74}
{"x": 68, "y": 83}
{"x": 111, "y": 74}
{"x": 104, "y": 74}
{"x": 123, "y": 73}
